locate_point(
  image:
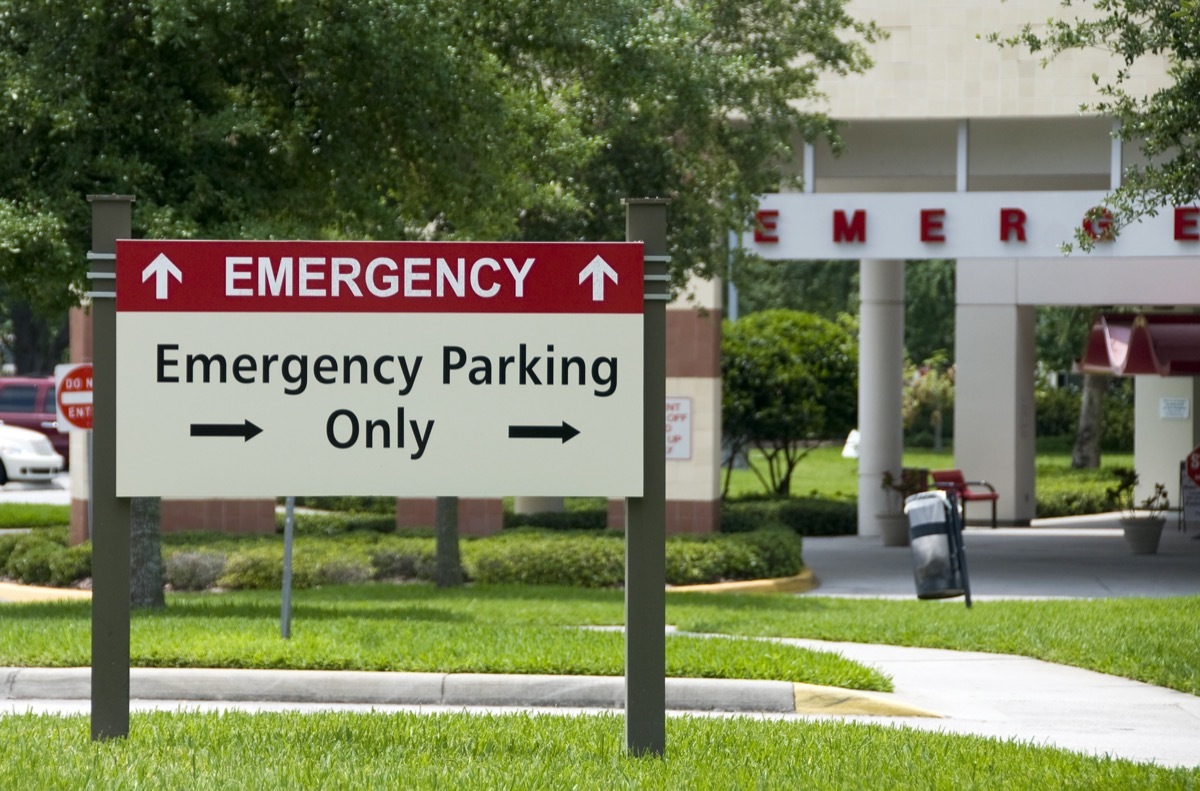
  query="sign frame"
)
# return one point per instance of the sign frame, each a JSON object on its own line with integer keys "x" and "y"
{"x": 470, "y": 369}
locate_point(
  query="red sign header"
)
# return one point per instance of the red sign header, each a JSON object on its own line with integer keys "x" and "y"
{"x": 378, "y": 277}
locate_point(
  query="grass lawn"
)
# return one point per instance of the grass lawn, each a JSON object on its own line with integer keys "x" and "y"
{"x": 825, "y": 473}
{"x": 22, "y": 515}
{"x": 534, "y": 629}
{"x": 518, "y": 751}
{"x": 418, "y": 628}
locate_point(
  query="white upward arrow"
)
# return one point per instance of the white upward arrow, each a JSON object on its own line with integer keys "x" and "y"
{"x": 162, "y": 270}
{"x": 598, "y": 269}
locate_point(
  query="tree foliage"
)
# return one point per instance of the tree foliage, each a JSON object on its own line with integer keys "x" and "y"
{"x": 398, "y": 118}
{"x": 790, "y": 380}
{"x": 929, "y": 304}
{"x": 826, "y": 288}
{"x": 1166, "y": 123}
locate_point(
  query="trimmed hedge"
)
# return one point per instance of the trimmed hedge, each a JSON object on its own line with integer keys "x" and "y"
{"x": 806, "y": 516}
{"x": 1073, "y": 503}
{"x": 382, "y": 506}
{"x": 591, "y": 559}
{"x": 579, "y": 519}
{"x": 43, "y": 558}
{"x": 332, "y": 523}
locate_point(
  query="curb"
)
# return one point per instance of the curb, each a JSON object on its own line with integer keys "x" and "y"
{"x": 801, "y": 583}
{"x": 450, "y": 689}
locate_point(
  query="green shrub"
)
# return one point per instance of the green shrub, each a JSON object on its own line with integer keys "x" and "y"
{"x": 1116, "y": 433}
{"x": 692, "y": 560}
{"x": 8, "y": 544}
{"x": 43, "y": 558}
{"x": 31, "y": 561}
{"x": 806, "y": 516}
{"x": 779, "y": 551}
{"x": 69, "y": 565}
{"x": 589, "y": 560}
{"x": 193, "y": 571}
{"x": 1072, "y": 503}
{"x": 262, "y": 567}
{"x": 1057, "y": 415}
{"x": 384, "y": 506}
{"x": 412, "y": 559}
{"x": 255, "y": 569}
{"x": 1056, "y": 411}
{"x": 597, "y": 560}
{"x": 580, "y": 519}
{"x": 332, "y": 524}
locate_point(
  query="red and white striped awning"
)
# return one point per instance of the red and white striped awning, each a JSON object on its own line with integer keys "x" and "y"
{"x": 1129, "y": 344}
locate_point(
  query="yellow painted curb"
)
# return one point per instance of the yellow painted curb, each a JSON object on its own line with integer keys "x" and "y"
{"x": 801, "y": 583}
{"x": 816, "y": 699}
{"x": 12, "y": 592}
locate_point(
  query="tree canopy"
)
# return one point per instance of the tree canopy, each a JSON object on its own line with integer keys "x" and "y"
{"x": 1166, "y": 123}
{"x": 789, "y": 380}
{"x": 399, "y": 119}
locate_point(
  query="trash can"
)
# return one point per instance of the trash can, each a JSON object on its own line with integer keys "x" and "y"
{"x": 935, "y": 536}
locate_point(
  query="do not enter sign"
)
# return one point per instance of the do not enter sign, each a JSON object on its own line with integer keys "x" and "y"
{"x": 73, "y": 396}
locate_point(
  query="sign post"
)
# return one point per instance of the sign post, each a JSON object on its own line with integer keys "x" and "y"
{"x": 111, "y": 220}
{"x": 646, "y": 515}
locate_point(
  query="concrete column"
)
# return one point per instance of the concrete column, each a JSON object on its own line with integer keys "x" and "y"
{"x": 995, "y": 359}
{"x": 880, "y": 385}
{"x": 1165, "y": 430}
{"x": 693, "y": 427}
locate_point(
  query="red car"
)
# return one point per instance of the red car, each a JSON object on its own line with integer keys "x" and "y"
{"x": 28, "y": 402}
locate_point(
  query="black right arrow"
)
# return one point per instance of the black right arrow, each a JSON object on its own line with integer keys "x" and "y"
{"x": 246, "y": 430}
{"x": 563, "y": 432}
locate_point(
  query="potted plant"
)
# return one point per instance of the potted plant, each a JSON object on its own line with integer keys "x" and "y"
{"x": 894, "y": 524}
{"x": 1142, "y": 522}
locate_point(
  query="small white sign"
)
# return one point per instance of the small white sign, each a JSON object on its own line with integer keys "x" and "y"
{"x": 679, "y": 429}
{"x": 1174, "y": 408}
{"x": 1191, "y": 502}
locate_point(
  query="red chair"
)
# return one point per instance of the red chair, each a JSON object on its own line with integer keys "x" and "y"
{"x": 952, "y": 481}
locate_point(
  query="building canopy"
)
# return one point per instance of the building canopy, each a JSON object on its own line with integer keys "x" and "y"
{"x": 1128, "y": 344}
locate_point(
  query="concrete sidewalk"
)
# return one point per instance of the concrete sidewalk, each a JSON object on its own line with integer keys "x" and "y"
{"x": 1074, "y": 557}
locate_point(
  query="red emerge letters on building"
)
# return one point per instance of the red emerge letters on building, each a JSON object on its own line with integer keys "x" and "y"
{"x": 973, "y": 225}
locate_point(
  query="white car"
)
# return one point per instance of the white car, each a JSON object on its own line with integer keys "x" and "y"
{"x": 27, "y": 455}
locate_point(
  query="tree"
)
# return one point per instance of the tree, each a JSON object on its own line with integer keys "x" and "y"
{"x": 146, "y": 563}
{"x": 1061, "y": 334}
{"x": 448, "y": 571}
{"x": 790, "y": 380}
{"x": 1166, "y": 123}
{"x": 826, "y": 288}
{"x": 400, "y": 119}
{"x": 929, "y": 304}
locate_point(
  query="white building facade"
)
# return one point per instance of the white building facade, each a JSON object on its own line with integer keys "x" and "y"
{"x": 958, "y": 148}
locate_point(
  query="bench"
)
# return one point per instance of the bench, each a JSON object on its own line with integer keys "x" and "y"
{"x": 953, "y": 481}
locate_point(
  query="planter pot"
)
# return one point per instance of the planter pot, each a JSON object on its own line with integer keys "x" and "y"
{"x": 893, "y": 528}
{"x": 1143, "y": 533}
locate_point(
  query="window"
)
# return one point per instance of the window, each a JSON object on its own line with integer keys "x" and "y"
{"x": 17, "y": 398}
